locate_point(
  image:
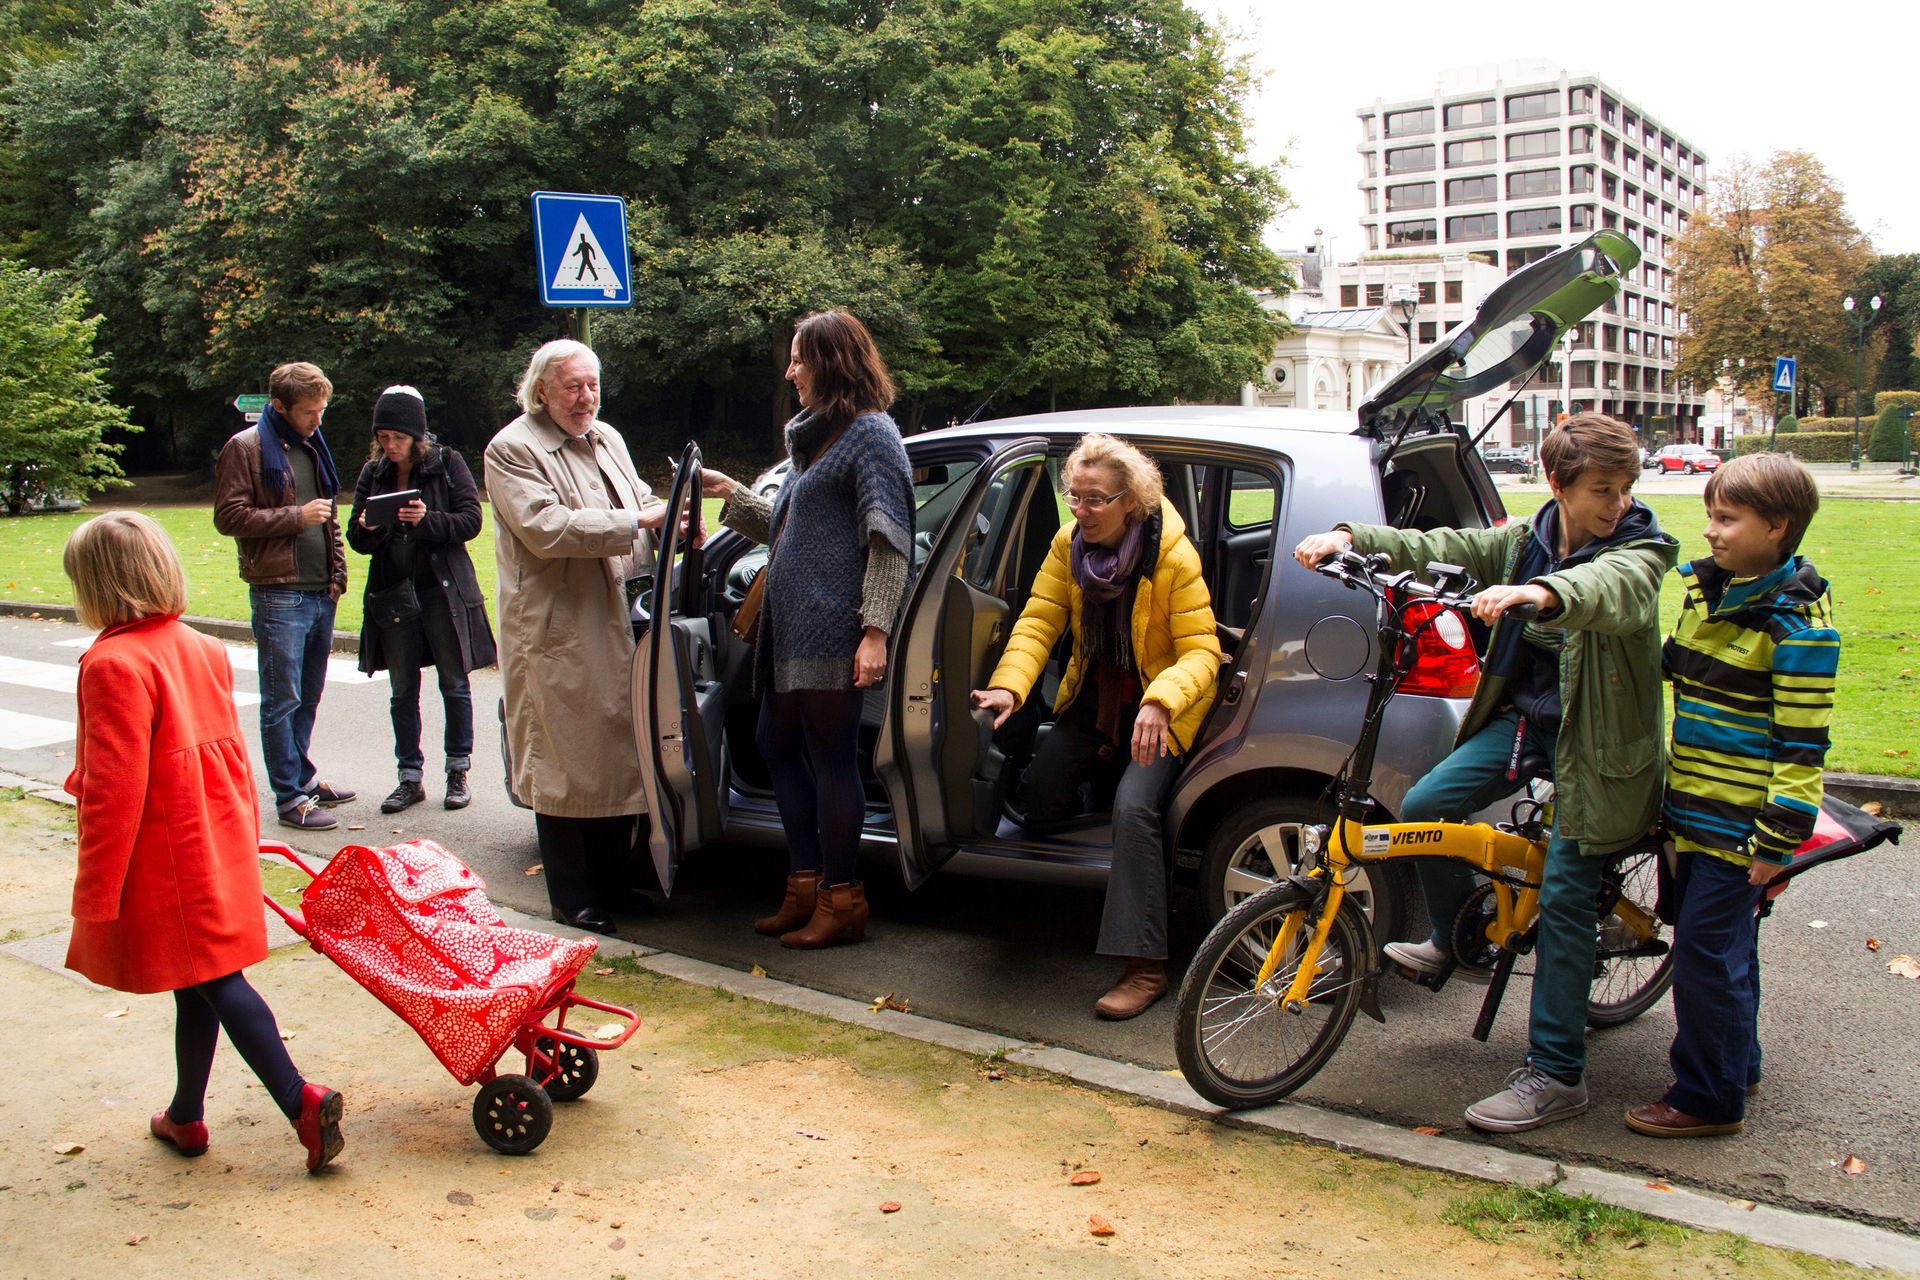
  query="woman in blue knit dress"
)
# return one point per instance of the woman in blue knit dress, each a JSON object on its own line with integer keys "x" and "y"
{"x": 839, "y": 532}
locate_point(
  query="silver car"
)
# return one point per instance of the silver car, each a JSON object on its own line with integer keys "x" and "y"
{"x": 1249, "y": 483}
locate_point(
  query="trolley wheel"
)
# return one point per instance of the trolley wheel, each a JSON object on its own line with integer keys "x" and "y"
{"x": 1631, "y": 973}
{"x": 575, "y": 1068}
{"x": 1237, "y": 1047}
{"x": 512, "y": 1114}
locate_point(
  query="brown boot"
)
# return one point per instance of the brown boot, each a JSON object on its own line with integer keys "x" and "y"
{"x": 839, "y": 915}
{"x": 802, "y": 886}
{"x": 1141, "y": 983}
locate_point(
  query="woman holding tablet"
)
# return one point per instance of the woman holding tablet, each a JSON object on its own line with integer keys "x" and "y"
{"x": 423, "y": 602}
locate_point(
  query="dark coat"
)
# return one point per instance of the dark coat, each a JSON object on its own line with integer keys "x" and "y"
{"x": 452, "y": 521}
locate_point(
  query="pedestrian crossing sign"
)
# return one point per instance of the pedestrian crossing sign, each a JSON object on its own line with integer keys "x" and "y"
{"x": 580, "y": 249}
{"x": 1783, "y": 371}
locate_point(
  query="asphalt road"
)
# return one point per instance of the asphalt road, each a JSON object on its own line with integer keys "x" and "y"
{"x": 1841, "y": 1034}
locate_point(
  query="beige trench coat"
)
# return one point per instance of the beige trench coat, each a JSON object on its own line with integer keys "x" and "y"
{"x": 566, "y": 644}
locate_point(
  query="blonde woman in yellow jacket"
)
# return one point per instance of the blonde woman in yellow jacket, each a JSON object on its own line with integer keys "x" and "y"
{"x": 1127, "y": 580}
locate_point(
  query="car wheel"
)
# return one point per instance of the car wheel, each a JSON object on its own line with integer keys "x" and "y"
{"x": 1258, "y": 845}
{"x": 1687, "y": 469}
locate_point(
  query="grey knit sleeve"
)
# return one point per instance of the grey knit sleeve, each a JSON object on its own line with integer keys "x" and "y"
{"x": 885, "y": 583}
{"x": 747, "y": 513}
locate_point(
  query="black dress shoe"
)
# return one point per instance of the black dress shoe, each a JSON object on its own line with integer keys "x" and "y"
{"x": 592, "y": 919}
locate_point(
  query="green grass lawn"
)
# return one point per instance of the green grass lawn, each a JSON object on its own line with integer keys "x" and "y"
{"x": 1857, "y": 545}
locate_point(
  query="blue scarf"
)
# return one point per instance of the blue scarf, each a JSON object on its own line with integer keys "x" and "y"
{"x": 276, "y": 437}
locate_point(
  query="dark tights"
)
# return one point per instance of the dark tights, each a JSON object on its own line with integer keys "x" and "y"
{"x": 810, "y": 739}
{"x": 202, "y": 1011}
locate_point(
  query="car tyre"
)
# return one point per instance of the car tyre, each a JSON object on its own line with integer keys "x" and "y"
{"x": 1258, "y": 845}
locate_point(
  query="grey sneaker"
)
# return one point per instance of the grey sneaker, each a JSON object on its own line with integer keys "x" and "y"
{"x": 1532, "y": 1098}
{"x": 1428, "y": 957}
{"x": 308, "y": 816}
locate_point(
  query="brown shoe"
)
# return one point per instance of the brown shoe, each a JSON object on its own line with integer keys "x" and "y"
{"x": 839, "y": 915}
{"x": 1658, "y": 1120}
{"x": 802, "y": 886}
{"x": 1141, "y": 983}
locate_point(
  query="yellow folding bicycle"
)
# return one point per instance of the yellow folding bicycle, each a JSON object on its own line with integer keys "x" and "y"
{"x": 1274, "y": 987}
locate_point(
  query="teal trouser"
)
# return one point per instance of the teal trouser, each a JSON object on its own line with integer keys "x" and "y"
{"x": 1473, "y": 776}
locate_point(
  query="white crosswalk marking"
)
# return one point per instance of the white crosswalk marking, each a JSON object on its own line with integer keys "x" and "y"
{"x": 20, "y": 731}
{"x": 247, "y": 658}
{"x": 57, "y": 677}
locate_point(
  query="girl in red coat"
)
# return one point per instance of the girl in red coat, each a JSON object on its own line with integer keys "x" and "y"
{"x": 167, "y": 896}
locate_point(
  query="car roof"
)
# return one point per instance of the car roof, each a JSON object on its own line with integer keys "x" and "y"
{"x": 1250, "y": 426}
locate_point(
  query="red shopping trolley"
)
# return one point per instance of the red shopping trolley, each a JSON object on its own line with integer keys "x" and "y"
{"x": 412, "y": 924}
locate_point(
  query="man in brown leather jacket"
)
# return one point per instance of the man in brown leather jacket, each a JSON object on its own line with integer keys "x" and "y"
{"x": 274, "y": 490}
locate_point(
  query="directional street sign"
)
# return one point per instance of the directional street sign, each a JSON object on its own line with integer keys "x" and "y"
{"x": 1784, "y": 369}
{"x": 250, "y": 404}
{"x": 580, "y": 248}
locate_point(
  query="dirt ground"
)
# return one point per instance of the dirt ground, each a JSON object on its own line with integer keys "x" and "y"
{"x": 728, "y": 1138}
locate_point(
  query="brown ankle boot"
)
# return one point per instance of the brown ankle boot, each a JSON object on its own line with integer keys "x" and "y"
{"x": 839, "y": 915}
{"x": 802, "y": 886}
{"x": 1141, "y": 983}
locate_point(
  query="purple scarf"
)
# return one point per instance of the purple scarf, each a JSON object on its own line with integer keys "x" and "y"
{"x": 1106, "y": 576}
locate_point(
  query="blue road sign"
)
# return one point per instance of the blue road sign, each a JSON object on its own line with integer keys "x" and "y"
{"x": 580, "y": 250}
{"x": 1783, "y": 370}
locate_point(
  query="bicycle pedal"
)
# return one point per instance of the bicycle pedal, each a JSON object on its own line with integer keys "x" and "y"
{"x": 1420, "y": 977}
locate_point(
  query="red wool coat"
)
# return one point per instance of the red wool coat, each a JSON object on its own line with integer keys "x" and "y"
{"x": 168, "y": 889}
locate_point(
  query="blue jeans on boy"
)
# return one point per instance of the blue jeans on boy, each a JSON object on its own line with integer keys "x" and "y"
{"x": 1716, "y": 991}
{"x": 293, "y": 630}
{"x": 1473, "y": 776}
{"x": 406, "y": 648}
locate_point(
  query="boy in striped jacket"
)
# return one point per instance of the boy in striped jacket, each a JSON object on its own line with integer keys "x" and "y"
{"x": 1752, "y": 660}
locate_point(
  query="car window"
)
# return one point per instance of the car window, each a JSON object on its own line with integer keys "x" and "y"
{"x": 1250, "y": 500}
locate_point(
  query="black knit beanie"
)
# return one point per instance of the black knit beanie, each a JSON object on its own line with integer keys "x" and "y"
{"x": 401, "y": 409}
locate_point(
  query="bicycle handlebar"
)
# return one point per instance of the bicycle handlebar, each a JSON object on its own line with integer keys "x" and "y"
{"x": 1453, "y": 586}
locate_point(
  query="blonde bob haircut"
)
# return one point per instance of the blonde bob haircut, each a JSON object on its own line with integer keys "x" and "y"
{"x": 1136, "y": 473}
{"x": 123, "y": 569}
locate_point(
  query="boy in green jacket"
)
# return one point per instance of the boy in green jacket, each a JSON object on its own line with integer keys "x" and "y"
{"x": 1581, "y": 685}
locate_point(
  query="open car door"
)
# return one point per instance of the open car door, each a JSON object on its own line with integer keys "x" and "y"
{"x": 935, "y": 754}
{"x": 679, "y": 701}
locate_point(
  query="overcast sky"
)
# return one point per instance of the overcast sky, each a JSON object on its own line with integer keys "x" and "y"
{"x": 1722, "y": 77}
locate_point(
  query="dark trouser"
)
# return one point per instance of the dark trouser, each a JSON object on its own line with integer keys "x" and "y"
{"x": 587, "y": 861}
{"x": 200, "y": 1012}
{"x": 1716, "y": 991}
{"x": 1134, "y": 919}
{"x": 1472, "y": 777}
{"x": 293, "y": 632}
{"x": 810, "y": 739}
{"x": 407, "y": 648}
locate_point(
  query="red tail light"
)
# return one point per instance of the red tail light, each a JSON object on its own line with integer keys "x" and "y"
{"x": 1445, "y": 665}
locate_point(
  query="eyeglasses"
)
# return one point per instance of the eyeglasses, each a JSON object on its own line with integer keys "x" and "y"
{"x": 1093, "y": 501}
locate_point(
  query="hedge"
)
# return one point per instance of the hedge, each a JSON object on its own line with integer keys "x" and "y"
{"x": 1909, "y": 398}
{"x": 1786, "y": 425}
{"x": 1842, "y": 423}
{"x": 1808, "y": 446}
{"x": 1888, "y": 443}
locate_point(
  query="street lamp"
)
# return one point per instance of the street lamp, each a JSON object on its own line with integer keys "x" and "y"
{"x": 1861, "y": 319}
{"x": 1408, "y": 302}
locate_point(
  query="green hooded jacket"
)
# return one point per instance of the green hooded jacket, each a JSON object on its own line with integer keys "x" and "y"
{"x": 1610, "y": 761}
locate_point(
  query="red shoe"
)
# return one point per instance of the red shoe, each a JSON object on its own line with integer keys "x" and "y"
{"x": 189, "y": 1139}
{"x": 319, "y": 1124}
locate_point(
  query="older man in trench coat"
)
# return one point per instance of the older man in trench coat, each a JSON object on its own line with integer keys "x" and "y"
{"x": 572, "y": 525}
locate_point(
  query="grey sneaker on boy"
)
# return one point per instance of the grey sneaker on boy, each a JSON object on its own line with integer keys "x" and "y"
{"x": 1430, "y": 957}
{"x": 1532, "y": 1098}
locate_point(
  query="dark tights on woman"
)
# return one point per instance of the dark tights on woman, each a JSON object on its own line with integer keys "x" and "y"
{"x": 231, "y": 1003}
{"x": 810, "y": 739}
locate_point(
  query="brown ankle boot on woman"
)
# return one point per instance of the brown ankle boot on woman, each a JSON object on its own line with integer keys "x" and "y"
{"x": 839, "y": 915}
{"x": 802, "y": 887}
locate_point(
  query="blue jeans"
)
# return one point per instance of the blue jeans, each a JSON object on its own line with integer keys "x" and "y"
{"x": 1473, "y": 776}
{"x": 1716, "y": 991}
{"x": 408, "y": 647}
{"x": 294, "y": 632}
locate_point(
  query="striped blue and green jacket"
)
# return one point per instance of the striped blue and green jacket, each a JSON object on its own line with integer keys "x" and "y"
{"x": 1752, "y": 661}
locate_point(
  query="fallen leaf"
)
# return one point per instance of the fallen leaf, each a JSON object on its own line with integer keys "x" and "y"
{"x": 1816, "y": 924}
{"x": 136, "y": 1240}
{"x": 1432, "y": 1131}
{"x": 1853, "y": 1164}
{"x": 459, "y": 1197}
{"x": 808, "y": 1133}
{"x": 1098, "y": 1225}
{"x": 356, "y": 826}
{"x": 535, "y": 869}
{"x": 617, "y": 1243}
{"x": 1658, "y": 1186}
{"x": 288, "y": 1035}
{"x": 1904, "y": 967}
{"x": 603, "y": 972}
{"x": 996, "y": 1075}
{"x": 889, "y": 1001}
{"x": 608, "y": 1030}
{"x": 1084, "y": 1178}
{"x": 636, "y": 1066}
{"x": 541, "y": 1215}
{"x": 616, "y": 1225}
{"x": 1872, "y": 807}
{"x": 1873, "y": 944}
{"x": 890, "y": 1206}
{"x": 114, "y": 1013}
{"x": 1747, "y": 1205}
{"x": 68, "y": 1149}
{"x": 758, "y": 971}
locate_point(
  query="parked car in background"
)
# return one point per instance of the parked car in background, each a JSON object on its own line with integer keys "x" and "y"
{"x": 1517, "y": 459}
{"x": 1686, "y": 458}
{"x": 1249, "y": 483}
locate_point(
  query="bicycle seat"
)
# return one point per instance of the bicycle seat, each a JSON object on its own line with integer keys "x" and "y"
{"x": 1535, "y": 763}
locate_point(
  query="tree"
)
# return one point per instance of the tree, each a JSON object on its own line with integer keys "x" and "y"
{"x": 1786, "y": 425}
{"x": 54, "y": 407}
{"x": 1761, "y": 271}
{"x": 1896, "y": 278}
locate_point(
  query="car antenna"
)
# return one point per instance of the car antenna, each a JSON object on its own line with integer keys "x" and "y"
{"x": 981, "y": 407}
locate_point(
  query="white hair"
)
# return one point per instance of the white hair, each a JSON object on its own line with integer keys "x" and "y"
{"x": 549, "y": 354}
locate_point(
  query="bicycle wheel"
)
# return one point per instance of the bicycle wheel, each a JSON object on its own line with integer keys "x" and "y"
{"x": 1632, "y": 970}
{"x": 1237, "y": 1047}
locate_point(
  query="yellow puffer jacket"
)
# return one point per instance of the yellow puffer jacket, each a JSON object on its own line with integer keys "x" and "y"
{"x": 1174, "y": 644}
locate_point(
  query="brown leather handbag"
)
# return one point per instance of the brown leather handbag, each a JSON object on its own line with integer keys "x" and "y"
{"x": 746, "y": 619}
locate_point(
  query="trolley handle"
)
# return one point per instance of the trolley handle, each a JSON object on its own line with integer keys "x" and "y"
{"x": 575, "y": 1000}
{"x": 280, "y": 849}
